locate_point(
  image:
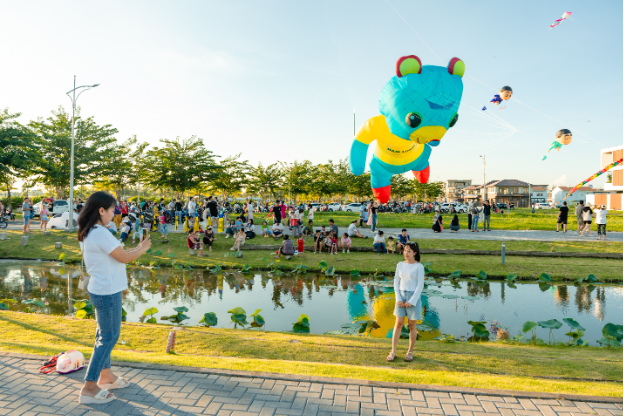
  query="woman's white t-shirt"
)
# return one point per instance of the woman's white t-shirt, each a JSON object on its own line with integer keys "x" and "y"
{"x": 601, "y": 216}
{"x": 379, "y": 239}
{"x": 108, "y": 276}
{"x": 409, "y": 277}
{"x": 311, "y": 214}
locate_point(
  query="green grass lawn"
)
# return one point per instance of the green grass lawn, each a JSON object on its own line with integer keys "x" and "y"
{"x": 587, "y": 370}
{"x": 517, "y": 219}
{"x": 607, "y": 270}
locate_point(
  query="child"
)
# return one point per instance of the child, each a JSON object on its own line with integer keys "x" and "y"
{"x": 265, "y": 229}
{"x": 334, "y": 243}
{"x": 138, "y": 227}
{"x": 345, "y": 241}
{"x": 328, "y": 243}
{"x": 390, "y": 248}
{"x": 238, "y": 225}
{"x": 163, "y": 226}
{"x": 209, "y": 237}
{"x": 193, "y": 242}
{"x": 230, "y": 230}
{"x": 300, "y": 245}
{"x": 240, "y": 240}
{"x": 324, "y": 232}
{"x": 318, "y": 242}
{"x": 126, "y": 226}
{"x": 308, "y": 229}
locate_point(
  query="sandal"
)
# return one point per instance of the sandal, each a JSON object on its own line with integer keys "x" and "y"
{"x": 391, "y": 357}
{"x": 120, "y": 383}
{"x": 409, "y": 356}
{"x": 100, "y": 398}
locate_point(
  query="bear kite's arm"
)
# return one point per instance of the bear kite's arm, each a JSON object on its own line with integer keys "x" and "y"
{"x": 359, "y": 148}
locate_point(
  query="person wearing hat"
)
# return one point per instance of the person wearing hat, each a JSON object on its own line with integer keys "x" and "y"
{"x": 209, "y": 237}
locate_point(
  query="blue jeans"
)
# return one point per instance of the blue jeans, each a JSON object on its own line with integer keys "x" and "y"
{"x": 108, "y": 316}
{"x": 374, "y": 222}
{"x": 380, "y": 246}
{"x": 475, "y": 221}
{"x": 486, "y": 219}
{"x": 164, "y": 229}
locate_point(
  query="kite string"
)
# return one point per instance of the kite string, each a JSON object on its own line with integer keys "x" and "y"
{"x": 410, "y": 26}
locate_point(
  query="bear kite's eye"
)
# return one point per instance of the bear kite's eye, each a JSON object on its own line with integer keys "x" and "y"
{"x": 453, "y": 120}
{"x": 413, "y": 120}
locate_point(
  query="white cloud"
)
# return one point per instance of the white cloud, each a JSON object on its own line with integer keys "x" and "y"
{"x": 560, "y": 181}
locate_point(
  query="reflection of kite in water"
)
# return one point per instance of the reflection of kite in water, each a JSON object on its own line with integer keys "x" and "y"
{"x": 505, "y": 94}
{"x": 594, "y": 176}
{"x": 565, "y": 16}
{"x": 564, "y": 137}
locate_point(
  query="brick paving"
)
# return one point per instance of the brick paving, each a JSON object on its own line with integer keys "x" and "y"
{"x": 174, "y": 392}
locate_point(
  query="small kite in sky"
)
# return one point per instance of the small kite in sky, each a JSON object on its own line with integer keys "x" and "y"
{"x": 565, "y": 16}
{"x": 564, "y": 137}
{"x": 504, "y": 94}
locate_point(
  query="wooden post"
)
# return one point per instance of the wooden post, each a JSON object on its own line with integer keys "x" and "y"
{"x": 24, "y": 240}
{"x": 58, "y": 245}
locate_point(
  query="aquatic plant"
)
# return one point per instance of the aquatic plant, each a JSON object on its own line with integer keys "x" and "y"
{"x": 4, "y": 303}
{"x": 590, "y": 278}
{"x": 550, "y": 325}
{"x": 479, "y": 331}
{"x": 300, "y": 269}
{"x": 511, "y": 277}
{"x": 150, "y": 311}
{"x": 178, "y": 317}
{"x": 355, "y": 273}
{"x": 209, "y": 319}
{"x": 246, "y": 268}
{"x": 258, "y": 320}
{"x": 84, "y": 309}
{"x": 611, "y": 335}
{"x": 238, "y": 316}
{"x": 366, "y": 327}
{"x": 302, "y": 325}
{"x": 530, "y": 326}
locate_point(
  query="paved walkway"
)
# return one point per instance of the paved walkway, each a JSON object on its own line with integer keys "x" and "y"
{"x": 169, "y": 392}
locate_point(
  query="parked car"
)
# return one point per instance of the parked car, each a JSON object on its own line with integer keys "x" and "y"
{"x": 58, "y": 207}
{"x": 352, "y": 207}
{"x": 334, "y": 206}
{"x": 543, "y": 205}
{"x": 314, "y": 205}
{"x": 60, "y": 222}
{"x": 502, "y": 205}
{"x": 460, "y": 208}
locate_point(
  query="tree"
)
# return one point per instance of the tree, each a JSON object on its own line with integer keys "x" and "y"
{"x": 360, "y": 186}
{"x": 232, "y": 177}
{"x": 18, "y": 153}
{"x": 95, "y": 150}
{"x": 179, "y": 165}
{"x": 401, "y": 186}
{"x": 297, "y": 177}
{"x": 124, "y": 172}
{"x": 265, "y": 181}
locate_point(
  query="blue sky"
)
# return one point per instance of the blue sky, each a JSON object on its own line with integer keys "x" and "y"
{"x": 278, "y": 80}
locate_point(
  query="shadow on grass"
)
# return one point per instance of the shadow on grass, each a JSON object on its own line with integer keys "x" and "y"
{"x": 45, "y": 331}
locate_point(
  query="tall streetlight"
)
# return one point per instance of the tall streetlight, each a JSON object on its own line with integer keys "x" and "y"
{"x": 72, "y": 96}
{"x": 484, "y": 187}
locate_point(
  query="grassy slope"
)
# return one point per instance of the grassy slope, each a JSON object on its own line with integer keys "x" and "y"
{"x": 526, "y": 267}
{"x": 491, "y": 365}
{"x": 518, "y": 219}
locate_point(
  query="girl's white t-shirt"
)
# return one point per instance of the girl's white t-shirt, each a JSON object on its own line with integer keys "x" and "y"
{"x": 311, "y": 214}
{"x": 409, "y": 277}
{"x": 108, "y": 276}
{"x": 601, "y": 216}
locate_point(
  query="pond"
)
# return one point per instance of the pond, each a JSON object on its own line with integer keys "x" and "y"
{"x": 333, "y": 304}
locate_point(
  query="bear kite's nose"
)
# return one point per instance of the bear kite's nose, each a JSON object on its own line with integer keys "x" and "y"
{"x": 428, "y": 134}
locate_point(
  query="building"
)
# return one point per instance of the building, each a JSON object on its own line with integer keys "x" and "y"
{"x": 559, "y": 192}
{"x": 508, "y": 191}
{"x": 472, "y": 194}
{"x": 611, "y": 195}
{"x": 539, "y": 194}
{"x": 453, "y": 189}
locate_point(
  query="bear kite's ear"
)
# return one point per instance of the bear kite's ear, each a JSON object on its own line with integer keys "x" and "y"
{"x": 408, "y": 65}
{"x": 456, "y": 67}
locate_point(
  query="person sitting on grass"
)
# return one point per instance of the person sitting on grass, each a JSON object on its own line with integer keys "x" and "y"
{"x": 345, "y": 243}
{"x": 209, "y": 238}
{"x": 353, "y": 231}
{"x": 308, "y": 230}
{"x": 390, "y": 248}
{"x": 409, "y": 281}
{"x": 455, "y": 224}
{"x": 240, "y": 240}
{"x": 193, "y": 243}
{"x": 300, "y": 245}
{"x": 287, "y": 248}
{"x": 404, "y": 238}
{"x": 318, "y": 242}
{"x": 277, "y": 230}
{"x": 380, "y": 243}
{"x": 126, "y": 226}
{"x": 230, "y": 230}
{"x": 265, "y": 229}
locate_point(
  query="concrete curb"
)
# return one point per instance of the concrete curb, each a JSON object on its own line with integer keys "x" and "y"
{"x": 330, "y": 380}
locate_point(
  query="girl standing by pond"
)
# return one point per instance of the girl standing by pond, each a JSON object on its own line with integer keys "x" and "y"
{"x": 105, "y": 262}
{"x": 409, "y": 281}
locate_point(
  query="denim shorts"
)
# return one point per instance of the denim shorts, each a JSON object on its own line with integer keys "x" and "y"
{"x": 27, "y": 218}
{"x": 413, "y": 312}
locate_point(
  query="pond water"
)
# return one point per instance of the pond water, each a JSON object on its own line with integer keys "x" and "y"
{"x": 332, "y": 304}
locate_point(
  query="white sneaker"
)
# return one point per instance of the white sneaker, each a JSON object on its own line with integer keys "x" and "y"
{"x": 343, "y": 251}
{"x": 315, "y": 252}
{"x": 227, "y": 236}
{"x": 348, "y": 251}
{"x": 232, "y": 249}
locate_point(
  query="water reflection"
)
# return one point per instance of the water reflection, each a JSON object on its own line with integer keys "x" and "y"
{"x": 330, "y": 302}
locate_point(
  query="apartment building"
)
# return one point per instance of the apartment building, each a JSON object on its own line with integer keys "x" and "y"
{"x": 611, "y": 195}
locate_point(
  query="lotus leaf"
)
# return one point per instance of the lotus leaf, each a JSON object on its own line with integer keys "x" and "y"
{"x": 528, "y": 325}
{"x": 323, "y": 264}
{"x": 612, "y": 331}
{"x": 237, "y": 311}
{"x": 511, "y": 277}
{"x": 171, "y": 255}
{"x": 81, "y": 313}
{"x": 511, "y": 285}
{"x": 572, "y": 323}
{"x": 258, "y": 321}
{"x": 470, "y": 297}
{"x": 8, "y": 300}
{"x": 209, "y": 319}
{"x": 518, "y": 337}
{"x": 550, "y": 324}
{"x": 149, "y": 250}
{"x": 123, "y": 312}
{"x": 592, "y": 279}
{"x": 545, "y": 278}
{"x": 256, "y": 312}
{"x": 544, "y": 286}
{"x": 355, "y": 273}
{"x": 450, "y": 296}
{"x": 181, "y": 309}
{"x": 473, "y": 323}
{"x": 330, "y": 271}
{"x": 151, "y": 321}
{"x": 4, "y": 306}
{"x": 456, "y": 274}
{"x": 482, "y": 275}
{"x": 609, "y": 342}
{"x": 150, "y": 311}
{"x": 62, "y": 256}
{"x": 80, "y": 304}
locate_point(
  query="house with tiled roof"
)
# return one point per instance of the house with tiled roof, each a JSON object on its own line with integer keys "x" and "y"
{"x": 559, "y": 192}
{"x": 539, "y": 194}
{"x": 509, "y": 191}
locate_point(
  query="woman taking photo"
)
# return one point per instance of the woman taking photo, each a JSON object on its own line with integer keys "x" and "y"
{"x": 105, "y": 262}
{"x": 409, "y": 281}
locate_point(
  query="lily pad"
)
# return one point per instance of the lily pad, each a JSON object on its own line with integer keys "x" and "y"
{"x": 209, "y": 319}
{"x": 612, "y": 331}
{"x": 544, "y": 277}
{"x": 550, "y": 324}
{"x": 528, "y": 325}
{"x": 572, "y": 323}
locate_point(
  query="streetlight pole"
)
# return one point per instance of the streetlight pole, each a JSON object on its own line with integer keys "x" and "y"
{"x": 73, "y": 98}
{"x": 484, "y": 187}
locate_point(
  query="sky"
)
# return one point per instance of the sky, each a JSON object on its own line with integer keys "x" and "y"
{"x": 279, "y": 80}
